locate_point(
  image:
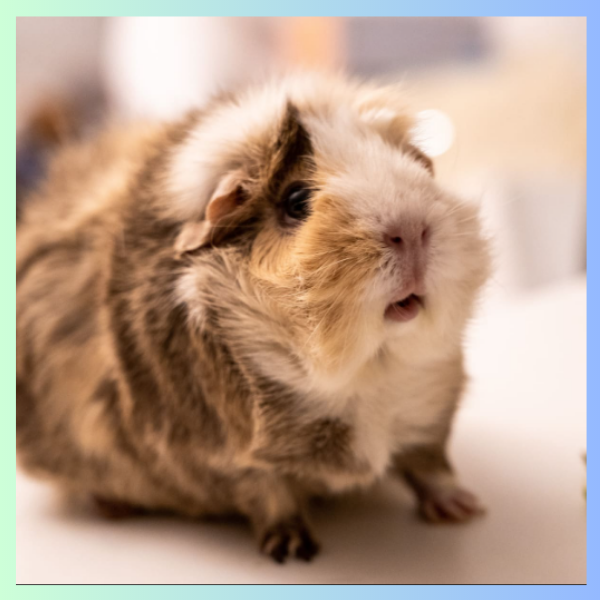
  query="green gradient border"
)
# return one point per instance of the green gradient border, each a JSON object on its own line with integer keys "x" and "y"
{"x": 7, "y": 257}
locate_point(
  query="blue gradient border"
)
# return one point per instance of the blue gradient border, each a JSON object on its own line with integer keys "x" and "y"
{"x": 10, "y": 10}
{"x": 315, "y": 8}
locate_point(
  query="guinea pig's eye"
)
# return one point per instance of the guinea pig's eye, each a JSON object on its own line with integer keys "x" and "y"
{"x": 296, "y": 202}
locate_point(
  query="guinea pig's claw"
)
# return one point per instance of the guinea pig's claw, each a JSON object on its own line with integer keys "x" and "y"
{"x": 289, "y": 538}
{"x": 453, "y": 505}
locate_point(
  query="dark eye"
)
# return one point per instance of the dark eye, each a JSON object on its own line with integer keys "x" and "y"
{"x": 296, "y": 202}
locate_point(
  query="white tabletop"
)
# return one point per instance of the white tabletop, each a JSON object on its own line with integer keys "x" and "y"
{"x": 518, "y": 443}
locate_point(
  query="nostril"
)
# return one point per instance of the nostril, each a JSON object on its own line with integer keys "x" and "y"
{"x": 393, "y": 240}
{"x": 407, "y": 238}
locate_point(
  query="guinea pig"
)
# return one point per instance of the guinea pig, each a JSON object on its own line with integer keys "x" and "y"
{"x": 261, "y": 302}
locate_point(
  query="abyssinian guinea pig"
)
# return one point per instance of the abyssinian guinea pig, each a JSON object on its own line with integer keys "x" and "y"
{"x": 261, "y": 302}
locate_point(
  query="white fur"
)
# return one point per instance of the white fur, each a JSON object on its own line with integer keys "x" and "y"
{"x": 220, "y": 141}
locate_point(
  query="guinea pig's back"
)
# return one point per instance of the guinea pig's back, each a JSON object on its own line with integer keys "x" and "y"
{"x": 63, "y": 349}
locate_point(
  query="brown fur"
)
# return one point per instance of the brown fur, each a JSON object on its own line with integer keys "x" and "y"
{"x": 139, "y": 396}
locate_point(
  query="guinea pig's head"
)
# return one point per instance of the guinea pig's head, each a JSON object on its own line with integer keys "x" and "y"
{"x": 331, "y": 219}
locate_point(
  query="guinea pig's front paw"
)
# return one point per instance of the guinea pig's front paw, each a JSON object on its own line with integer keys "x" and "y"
{"x": 448, "y": 504}
{"x": 291, "y": 537}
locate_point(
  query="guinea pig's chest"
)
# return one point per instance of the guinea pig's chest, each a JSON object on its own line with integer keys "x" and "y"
{"x": 401, "y": 408}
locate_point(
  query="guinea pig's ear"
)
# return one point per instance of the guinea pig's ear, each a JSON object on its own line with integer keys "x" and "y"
{"x": 420, "y": 157}
{"x": 395, "y": 127}
{"x": 385, "y": 112}
{"x": 224, "y": 209}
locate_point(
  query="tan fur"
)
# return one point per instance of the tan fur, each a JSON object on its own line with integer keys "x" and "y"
{"x": 210, "y": 356}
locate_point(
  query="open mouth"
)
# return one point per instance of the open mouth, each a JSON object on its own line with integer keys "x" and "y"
{"x": 404, "y": 310}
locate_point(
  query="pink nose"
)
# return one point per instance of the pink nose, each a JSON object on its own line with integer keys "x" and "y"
{"x": 410, "y": 242}
{"x": 407, "y": 238}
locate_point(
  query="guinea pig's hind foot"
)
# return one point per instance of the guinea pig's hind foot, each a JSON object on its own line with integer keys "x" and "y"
{"x": 448, "y": 504}
{"x": 116, "y": 509}
{"x": 290, "y": 537}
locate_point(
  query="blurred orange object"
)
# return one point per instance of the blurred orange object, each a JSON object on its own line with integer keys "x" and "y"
{"x": 312, "y": 42}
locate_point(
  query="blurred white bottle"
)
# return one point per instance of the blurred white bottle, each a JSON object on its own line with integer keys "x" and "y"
{"x": 160, "y": 66}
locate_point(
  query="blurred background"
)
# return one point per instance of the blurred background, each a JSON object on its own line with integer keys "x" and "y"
{"x": 503, "y": 101}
